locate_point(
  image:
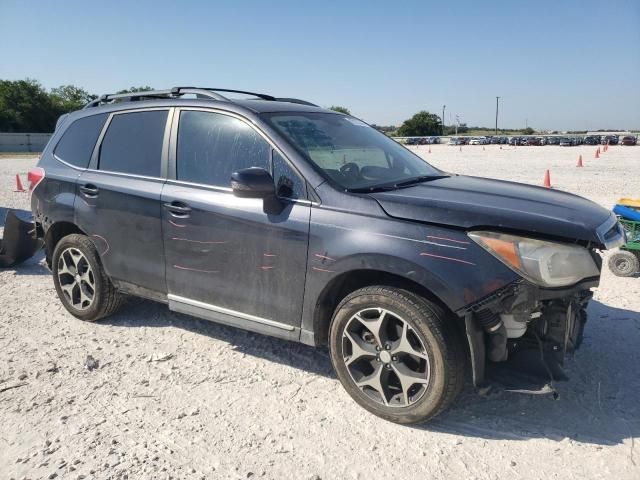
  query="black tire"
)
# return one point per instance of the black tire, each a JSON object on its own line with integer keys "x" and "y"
{"x": 106, "y": 299}
{"x": 623, "y": 263}
{"x": 431, "y": 325}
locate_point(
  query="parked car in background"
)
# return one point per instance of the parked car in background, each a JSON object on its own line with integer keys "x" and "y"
{"x": 611, "y": 139}
{"x": 455, "y": 141}
{"x": 592, "y": 140}
{"x": 475, "y": 141}
{"x": 565, "y": 142}
{"x": 553, "y": 140}
{"x": 533, "y": 141}
{"x": 628, "y": 140}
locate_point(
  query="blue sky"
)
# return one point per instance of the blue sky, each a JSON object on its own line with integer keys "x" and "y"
{"x": 556, "y": 64}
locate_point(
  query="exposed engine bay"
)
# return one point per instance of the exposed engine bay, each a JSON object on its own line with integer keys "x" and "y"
{"x": 519, "y": 338}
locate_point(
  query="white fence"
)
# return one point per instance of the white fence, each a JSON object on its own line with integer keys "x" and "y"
{"x": 23, "y": 142}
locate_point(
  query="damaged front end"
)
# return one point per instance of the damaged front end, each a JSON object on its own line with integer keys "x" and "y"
{"x": 20, "y": 240}
{"x": 520, "y": 335}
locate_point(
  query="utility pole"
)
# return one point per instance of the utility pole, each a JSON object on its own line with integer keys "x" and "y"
{"x": 457, "y": 123}
{"x": 443, "y": 107}
{"x": 497, "y": 101}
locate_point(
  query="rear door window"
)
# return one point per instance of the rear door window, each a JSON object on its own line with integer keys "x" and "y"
{"x": 133, "y": 143}
{"x": 78, "y": 141}
{"x": 211, "y": 146}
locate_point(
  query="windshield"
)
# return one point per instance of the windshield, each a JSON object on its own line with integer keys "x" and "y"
{"x": 351, "y": 153}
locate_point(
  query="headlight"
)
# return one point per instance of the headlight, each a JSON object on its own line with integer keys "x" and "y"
{"x": 547, "y": 264}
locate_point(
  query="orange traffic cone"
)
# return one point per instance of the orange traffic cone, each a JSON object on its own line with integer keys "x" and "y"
{"x": 597, "y": 153}
{"x": 547, "y": 179}
{"x": 19, "y": 184}
{"x": 579, "y": 161}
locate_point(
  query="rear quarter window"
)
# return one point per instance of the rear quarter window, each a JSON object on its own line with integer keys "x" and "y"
{"x": 77, "y": 142}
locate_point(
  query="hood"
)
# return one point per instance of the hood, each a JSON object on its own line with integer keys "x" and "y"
{"x": 469, "y": 202}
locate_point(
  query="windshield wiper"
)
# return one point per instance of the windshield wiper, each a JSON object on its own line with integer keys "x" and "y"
{"x": 385, "y": 187}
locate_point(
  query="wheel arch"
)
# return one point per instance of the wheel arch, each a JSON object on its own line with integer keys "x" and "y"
{"x": 56, "y": 232}
{"x": 342, "y": 285}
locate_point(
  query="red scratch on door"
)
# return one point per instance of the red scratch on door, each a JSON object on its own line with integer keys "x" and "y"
{"x": 324, "y": 257}
{"x": 323, "y": 270}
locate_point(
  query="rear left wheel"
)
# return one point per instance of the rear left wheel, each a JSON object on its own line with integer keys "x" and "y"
{"x": 83, "y": 286}
{"x": 398, "y": 355}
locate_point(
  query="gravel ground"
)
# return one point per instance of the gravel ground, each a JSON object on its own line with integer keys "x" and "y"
{"x": 169, "y": 396}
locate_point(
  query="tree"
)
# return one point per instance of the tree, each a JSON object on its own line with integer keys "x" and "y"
{"x": 70, "y": 97}
{"x": 146, "y": 88}
{"x": 338, "y": 108}
{"x": 25, "y": 106}
{"x": 422, "y": 124}
{"x": 528, "y": 131}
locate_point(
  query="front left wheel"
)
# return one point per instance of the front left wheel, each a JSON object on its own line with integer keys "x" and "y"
{"x": 82, "y": 285}
{"x": 397, "y": 354}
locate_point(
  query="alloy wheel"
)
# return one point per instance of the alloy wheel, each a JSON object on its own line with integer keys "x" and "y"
{"x": 76, "y": 279}
{"x": 385, "y": 357}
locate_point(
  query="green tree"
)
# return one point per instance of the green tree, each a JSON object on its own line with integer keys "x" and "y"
{"x": 70, "y": 97}
{"x": 25, "y": 106}
{"x": 420, "y": 125}
{"x": 146, "y": 88}
{"x": 338, "y": 108}
{"x": 528, "y": 131}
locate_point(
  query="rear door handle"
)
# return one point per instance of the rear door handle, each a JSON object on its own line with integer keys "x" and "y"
{"x": 89, "y": 190}
{"x": 178, "y": 209}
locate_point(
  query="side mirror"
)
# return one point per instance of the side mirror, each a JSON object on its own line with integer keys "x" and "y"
{"x": 254, "y": 182}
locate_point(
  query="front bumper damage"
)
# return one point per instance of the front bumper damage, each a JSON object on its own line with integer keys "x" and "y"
{"x": 520, "y": 335}
{"x": 19, "y": 241}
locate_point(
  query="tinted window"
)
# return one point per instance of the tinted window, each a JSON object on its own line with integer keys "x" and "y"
{"x": 211, "y": 146}
{"x": 288, "y": 182}
{"x": 133, "y": 143}
{"x": 77, "y": 142}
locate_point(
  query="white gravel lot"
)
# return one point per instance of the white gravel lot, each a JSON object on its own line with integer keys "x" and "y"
{"x": 231, "y": 404}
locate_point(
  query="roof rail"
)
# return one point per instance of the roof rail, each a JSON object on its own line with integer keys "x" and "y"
{"x": 179, "y": 91}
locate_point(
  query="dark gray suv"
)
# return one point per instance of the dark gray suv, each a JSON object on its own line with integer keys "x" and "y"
{"x": 287, "y": 219}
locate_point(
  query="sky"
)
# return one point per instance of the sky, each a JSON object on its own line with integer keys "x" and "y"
{"x": 562, "y": 65}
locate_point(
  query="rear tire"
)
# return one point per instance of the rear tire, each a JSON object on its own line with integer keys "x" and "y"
{"x": 624, "y": 263}
{"x": 82, "y": 285}
{"x": 398, "y": 355}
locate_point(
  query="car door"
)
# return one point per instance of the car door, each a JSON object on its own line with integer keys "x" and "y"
{"x": 118, "y": 203}
{"x": 228, "y": 260}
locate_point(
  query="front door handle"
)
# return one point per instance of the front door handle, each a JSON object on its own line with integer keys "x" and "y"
{"x": 178, "y": 209}
{"x": 89, "y": 190}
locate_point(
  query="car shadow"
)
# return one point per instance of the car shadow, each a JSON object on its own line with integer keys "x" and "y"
{"x": 599, "y": 404}
{"x": 138, "y": 312}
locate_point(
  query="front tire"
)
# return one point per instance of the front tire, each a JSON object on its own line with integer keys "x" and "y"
{"x": 397, "y": 354}
{"x": 82, "y": 285}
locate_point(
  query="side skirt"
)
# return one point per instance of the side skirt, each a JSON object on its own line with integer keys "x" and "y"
{"x": 233, "y": 318}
